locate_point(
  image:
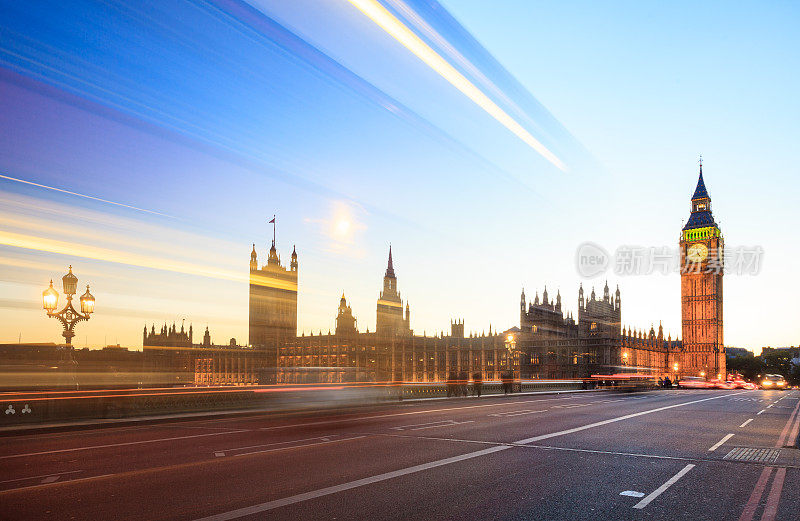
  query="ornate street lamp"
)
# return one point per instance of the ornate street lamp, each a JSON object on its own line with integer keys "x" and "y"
{"x": 68, "y": 316}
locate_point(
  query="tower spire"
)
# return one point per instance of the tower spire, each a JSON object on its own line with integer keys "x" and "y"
{"x": 390, "y": 267}
{"x": 273, "y": 229}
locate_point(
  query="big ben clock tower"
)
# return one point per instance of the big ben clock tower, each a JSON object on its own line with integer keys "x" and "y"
{"x": 702, "y": 261}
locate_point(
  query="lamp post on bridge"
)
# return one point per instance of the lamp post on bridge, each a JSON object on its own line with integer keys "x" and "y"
{"x": 68, "y": 316}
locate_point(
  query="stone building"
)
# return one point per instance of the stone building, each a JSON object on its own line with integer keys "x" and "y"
{"x": 702, "y": 263}
{"x": 273, "y": 303}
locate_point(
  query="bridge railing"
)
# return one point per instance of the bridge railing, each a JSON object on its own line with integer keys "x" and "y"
{"x": 18, "y": 408}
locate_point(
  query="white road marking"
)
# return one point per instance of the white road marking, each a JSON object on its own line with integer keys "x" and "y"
{"x": 326, "y": 438}
{"x": 660, "y": 490}
{"x": 429, "y": 425}
{"x": 631, "y": 493}
{"x": 515, "y": 413}
{"x": 720, "y": 442}
{"x": 91, "y": 447}
{"x": 298, "y": 498}
{"x": 746, "y": 422}
{"x": 759, "y": 412}
{"x": 271, "y": 505}
{"x": 49, "y": 479}
{"x": 276, "y": 449}
{"x": 42, "y": 476}
{"x": 442, "y": 425}
{"x": 219, "y": 454}
{"x": 619, "y": 418}
{"x": 426, "y": 411}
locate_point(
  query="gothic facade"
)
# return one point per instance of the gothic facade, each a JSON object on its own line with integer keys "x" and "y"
{"x": 273, "y": 303}
{"x": 548, "y": 343}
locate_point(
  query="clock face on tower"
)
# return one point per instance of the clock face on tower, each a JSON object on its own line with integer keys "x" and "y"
{"x": 697, "y": 252}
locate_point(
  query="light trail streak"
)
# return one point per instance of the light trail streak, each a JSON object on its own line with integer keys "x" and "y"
{"x": 395, "y": 28}
{"x": 86, "y": 251}
{"x": 82, "y": 195}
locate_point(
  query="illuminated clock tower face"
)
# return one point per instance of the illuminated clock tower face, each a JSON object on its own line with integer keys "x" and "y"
{"x": 702, "y": 263}
{"x": 697, "y": 252}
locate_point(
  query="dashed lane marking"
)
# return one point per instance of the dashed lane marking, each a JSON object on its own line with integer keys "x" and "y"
{"x": 720, "y": 442}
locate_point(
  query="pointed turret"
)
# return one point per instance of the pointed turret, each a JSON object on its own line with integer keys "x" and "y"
{"x": 701, "y": 216}
{"x": 253, "y": 259}
{"x": 390, "y": 266}
{"x": 293, "y": 264}
{"x": 700, "y": 191}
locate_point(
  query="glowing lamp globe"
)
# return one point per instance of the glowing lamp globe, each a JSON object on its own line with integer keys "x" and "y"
{"x": 50, "y": 298}
{"x": 70, "y": 282}
{"x": 87, "y": 302}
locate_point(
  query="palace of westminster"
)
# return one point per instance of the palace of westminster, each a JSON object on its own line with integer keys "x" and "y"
{"x": 547, "y": 343}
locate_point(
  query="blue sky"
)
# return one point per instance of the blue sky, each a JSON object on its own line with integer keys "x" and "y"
{"x": 219, "y": 115}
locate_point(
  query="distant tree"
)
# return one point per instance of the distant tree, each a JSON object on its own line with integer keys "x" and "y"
{"x": 749, "y": 367}
{"x": 777, "y": 363}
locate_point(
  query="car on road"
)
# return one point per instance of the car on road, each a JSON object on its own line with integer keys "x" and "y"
{"x": 693, "y": 382}
{"x": 716, "y": 383}
{"x": 773, "y": 381}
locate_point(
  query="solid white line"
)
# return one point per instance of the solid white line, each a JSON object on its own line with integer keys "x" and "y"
{"x": 276, "y": 443}
{"x": 720, "y": 442}
{"x": 271, "y": 505}
{"x": 442, "y": 425}
{"x": 298, "y": 498}
{"x": 514, "y": 413}
{"x": 613, "y": 420}
{"x": 392, "y": 415}
{"x": 746, "y": 422}
{"x": 276, "y": 449}
{"x": 439, "y": 423}
{"x": 41, "y": 476}
{"x": 58, "y": 451}
{"x": 660, "y": 490}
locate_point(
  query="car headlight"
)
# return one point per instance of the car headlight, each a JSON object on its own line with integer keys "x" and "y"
{"x": 766, "y": 383}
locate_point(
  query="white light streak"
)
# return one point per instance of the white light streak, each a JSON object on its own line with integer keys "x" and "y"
{"x": 395, "y": 28}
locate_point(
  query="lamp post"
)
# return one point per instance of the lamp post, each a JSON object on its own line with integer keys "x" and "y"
{"x": 513, "y": 356}
{"x": 68, "y": 316}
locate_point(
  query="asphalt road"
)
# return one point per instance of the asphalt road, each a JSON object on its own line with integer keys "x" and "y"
{"x": 660, "y": 455}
